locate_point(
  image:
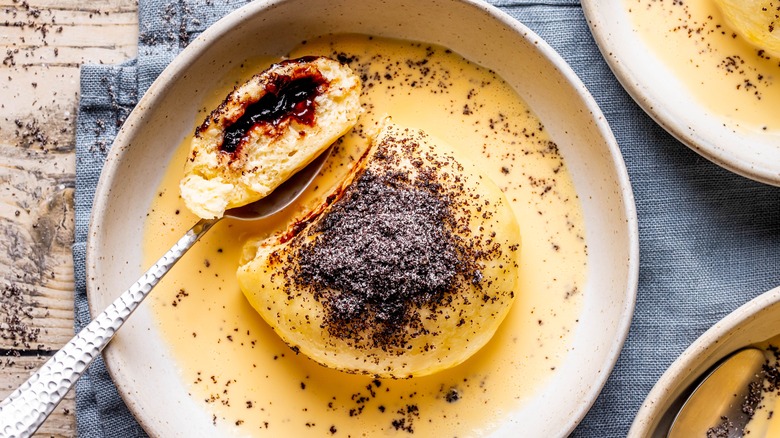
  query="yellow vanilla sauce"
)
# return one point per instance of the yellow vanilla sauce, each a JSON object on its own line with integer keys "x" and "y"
{"x": 252, "y": 383}
{"x": 730, "y": 77}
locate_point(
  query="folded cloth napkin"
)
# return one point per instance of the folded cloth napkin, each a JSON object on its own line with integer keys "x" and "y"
{"x": 709, "y": 239}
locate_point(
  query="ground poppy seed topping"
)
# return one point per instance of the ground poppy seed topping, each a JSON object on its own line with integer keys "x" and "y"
{"x": 389, "y": 247}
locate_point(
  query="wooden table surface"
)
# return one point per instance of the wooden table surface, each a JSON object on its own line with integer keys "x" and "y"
{"x": 43, "y": 43}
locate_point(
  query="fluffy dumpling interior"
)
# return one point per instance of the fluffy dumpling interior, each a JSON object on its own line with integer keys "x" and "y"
{"x": 266, "y": 130}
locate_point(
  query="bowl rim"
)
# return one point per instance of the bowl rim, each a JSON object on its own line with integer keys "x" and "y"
{"x": 187, "y": 56}
{"x": 757, "y": 170}
{"x": 698, "y": 351}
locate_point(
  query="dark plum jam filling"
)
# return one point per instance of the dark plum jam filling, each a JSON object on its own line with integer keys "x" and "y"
{"x": 288, "y": 97}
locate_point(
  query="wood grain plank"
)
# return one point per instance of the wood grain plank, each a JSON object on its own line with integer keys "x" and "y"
{"x": 103, "y": 6}
{"x": 66, "y": 56}
{"x": 36, "y": 220}
{"x": 87, "y": 35}
{"x": 42, "y": 45}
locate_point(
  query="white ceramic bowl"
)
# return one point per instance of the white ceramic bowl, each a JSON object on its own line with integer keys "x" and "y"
{"x": 664, "y": 97}
{"x": 138, "y": 360}
{"x": 754, "y": 322}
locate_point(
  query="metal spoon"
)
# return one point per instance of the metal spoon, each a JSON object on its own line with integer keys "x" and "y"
{"x": 23, "y": 412}
{"x": 718, "y": 401}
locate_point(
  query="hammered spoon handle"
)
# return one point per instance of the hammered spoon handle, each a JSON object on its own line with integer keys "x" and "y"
{"x": 23, "y": 412}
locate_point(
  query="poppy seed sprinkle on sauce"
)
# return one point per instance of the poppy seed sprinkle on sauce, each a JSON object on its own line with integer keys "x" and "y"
{"x": 731, "y": 78}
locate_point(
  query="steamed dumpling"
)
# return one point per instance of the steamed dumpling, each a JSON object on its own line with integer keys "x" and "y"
{"x": 409, "y": 268}
{"x": 266, "y": 130}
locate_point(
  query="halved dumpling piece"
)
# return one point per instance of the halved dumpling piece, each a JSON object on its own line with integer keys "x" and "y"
{"x": 266, "y": 130}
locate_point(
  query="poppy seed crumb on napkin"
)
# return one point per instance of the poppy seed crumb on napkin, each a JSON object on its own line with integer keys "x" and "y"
{"x": 709, "y": 239}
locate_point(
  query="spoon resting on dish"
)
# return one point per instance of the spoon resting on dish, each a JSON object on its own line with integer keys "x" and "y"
{"x": 290, "y": 111}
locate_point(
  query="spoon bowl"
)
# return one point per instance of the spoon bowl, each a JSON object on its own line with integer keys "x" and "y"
{"x": 284, "y": 195}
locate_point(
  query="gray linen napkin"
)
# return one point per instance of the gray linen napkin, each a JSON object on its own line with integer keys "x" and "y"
{"x": 709, "y": 240}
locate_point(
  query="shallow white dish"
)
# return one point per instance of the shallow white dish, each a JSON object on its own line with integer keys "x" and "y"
{"x": 140, "y": 363}
{"x": 754, "y": 322}
{"x": 657, "y": 89}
